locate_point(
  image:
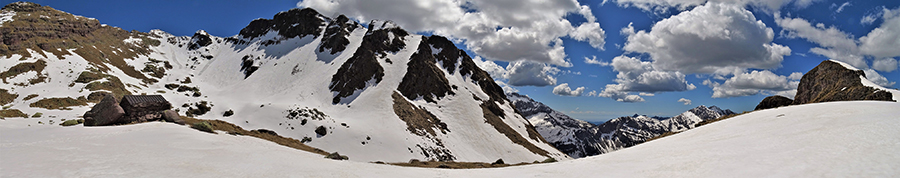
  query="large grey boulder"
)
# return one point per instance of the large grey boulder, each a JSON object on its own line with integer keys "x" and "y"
{"x": 172, "y": 116}
{"x": 106, "y": 112}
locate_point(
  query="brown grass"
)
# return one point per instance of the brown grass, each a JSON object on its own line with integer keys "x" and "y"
{"x": 59, "y": 103}
{"x": 22, "y": 68}
{"x": 237, "y": 130}
{"x": 30, "y": 97}
{"x": 6, "y": 97}
{"x": 510, "y": 133}
{"x": 454, "y": 165}
{"x": 12, "y": 113}
{"x": 719, "y": 119}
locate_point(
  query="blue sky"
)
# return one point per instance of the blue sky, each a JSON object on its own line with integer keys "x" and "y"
{"x": 675, "y": 49}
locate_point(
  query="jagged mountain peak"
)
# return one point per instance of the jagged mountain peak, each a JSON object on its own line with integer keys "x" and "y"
{"x": 330, "y": 82}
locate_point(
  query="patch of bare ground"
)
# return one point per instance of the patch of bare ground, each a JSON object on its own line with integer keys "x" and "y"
{"x": 6, "y": 97}
{"x": 462, "y": 165}
{"x": 418, "y": 120}
{"x": 59, "y": 103}
{"x": 262, "y": 134}
{"x": 12, "y": 113}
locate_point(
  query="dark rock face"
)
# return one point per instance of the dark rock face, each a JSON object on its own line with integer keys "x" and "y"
{"x": 830, "y": 81}
{"x": 336, "y": 34}
{"x": 247, "y": 65}
{"x": 774, "y": 102}
{"x": 418, "y": 120}
{"x": 363, "y": 66}
{"x": 107, "y": 112}
{"x": 289, "y": 24}
{"x": 200, "y": 39}
{"x": 423, "y": 77}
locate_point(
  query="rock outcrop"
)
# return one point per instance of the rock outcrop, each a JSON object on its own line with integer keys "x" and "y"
{"x": 774, "y": 102}
{"x": 106, "y": 112}
{"x": 830, "y": 81}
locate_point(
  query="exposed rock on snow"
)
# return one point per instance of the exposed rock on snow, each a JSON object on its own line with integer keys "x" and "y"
{"x": 774, "y": 102}
{"x": 274, "y": 67}
{"x": 106, "y": 112}
{"x": 831, "y": 81}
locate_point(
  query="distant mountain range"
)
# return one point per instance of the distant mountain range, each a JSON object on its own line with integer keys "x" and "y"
{"x": 579, "y": 138}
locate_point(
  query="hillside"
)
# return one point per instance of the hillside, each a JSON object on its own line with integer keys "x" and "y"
{"x": 849, "y": 138}
{"x": 295, "y": 73}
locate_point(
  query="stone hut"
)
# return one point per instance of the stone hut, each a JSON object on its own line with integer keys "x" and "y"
{"x": 132, "y": 109}
{"x": 142, "y": 108}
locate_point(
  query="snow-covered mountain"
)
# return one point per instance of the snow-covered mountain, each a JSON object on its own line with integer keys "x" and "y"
{"x": 841, "y": 139}
{"x": 382, "y": 93}
{"x": 579, "y": 138}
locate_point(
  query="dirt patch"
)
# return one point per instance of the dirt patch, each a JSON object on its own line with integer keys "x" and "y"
{"x": 59, "y": 103}
{"x": 12, "y": 113}
{"x": 418, "y": 120}
{"x": 237, "y": 130}
{"x": 454, "y": 165}
{"x": 23, "y": 68}
{"x": 6, "y": 97}
{"x": 29, "y": 97}
{"x": 43, "y": 28}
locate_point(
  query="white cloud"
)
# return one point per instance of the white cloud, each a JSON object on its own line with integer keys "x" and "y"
{"x": 508, "y": 30}
{"x": 841, "y": 7}
{"x": 882, "y": 42}
{"x": 491, "y": 68}
{"x": 646, "y": 94}
{"x": 523, "y": 73}
{"x": 564, "y": 90}
{"x": 714, "y": 38}
{"x": 885, "y": 64}
{"x": 878, "y": 79}
{"x": 592, "y": 93}
{"x": 685, "y": 101}
{"x": 593, "y": 60}
{"x": 745, "y": 84}
{"x": 506, "y": 88}
{"x": 868, "y": 19}
{"x": 641, "y": 76}
{"x": 661, "y": 6}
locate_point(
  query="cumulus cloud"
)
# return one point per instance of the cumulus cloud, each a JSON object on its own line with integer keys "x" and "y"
{"x": 685, "y": 101}
{"x": 564, "y": 90}
{"x": 880, "y": 43}
{"x": 713, "y": 38}
{"x": 885, "y": 64}
{"x": 876, "y": 78}
{"x": 661, "y": 6}
{"x": 525, "y": 73}
{"x": 491, "y": 68}
{"x": 641, "y": 76}
{"x": 498, "y": 30}
{"x": 745, "y": 84}
{"x": 506, "y": 88}
{"x": 593, "y": 60}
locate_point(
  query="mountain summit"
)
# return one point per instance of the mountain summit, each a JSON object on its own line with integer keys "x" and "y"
{"x": 373, "y": 92}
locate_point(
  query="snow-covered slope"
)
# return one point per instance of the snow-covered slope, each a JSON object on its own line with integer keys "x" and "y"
{"x": 579, "y": 138}
{"x": 840, "y": 139}
{"x": 292, "y": 74}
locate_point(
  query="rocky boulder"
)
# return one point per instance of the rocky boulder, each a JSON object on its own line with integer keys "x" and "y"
{"x": 831, "y": 81}
{"x": 172, "y": 116}
{"x": 774, "y": 102}
{"x": 106, "y": 112}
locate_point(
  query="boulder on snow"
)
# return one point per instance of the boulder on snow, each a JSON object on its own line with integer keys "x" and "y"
{"x": 172, "y": 116}
{"x": 106, "y": 112}
{"x": 774, "y": 102}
